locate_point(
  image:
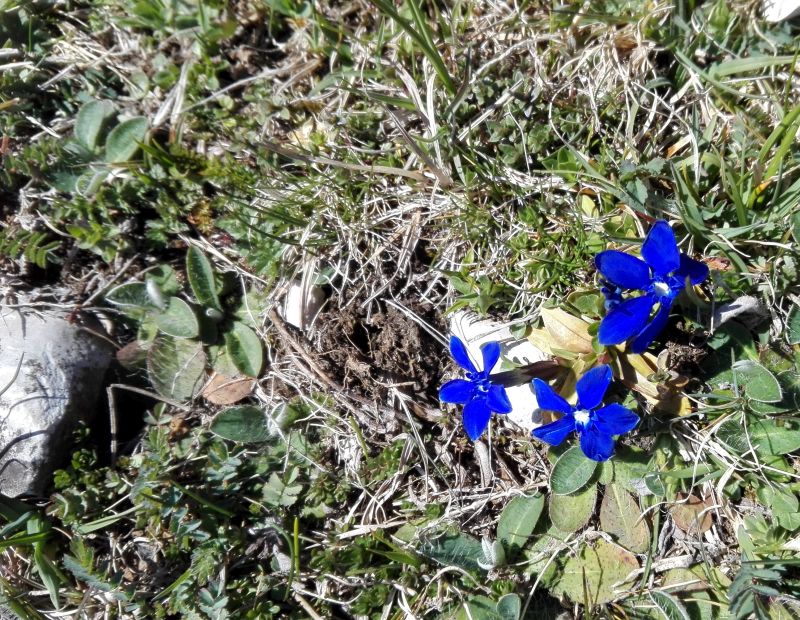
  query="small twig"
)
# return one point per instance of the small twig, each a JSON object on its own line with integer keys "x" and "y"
{"x": 327, "y": 161}
{"x": 444, "y": 179}
{"x": 280, "y": 325}
{"x": 93, "y": 297}
{"x": 482, "y": 456}
{"x": 307, "y": 606}
{"x": 112, "y": 411}
{"x": 17, "y": 65}
{"x": 112, "y": 423}
{"x": 323, "y": 376}
{"x": 547, "y": 369}
{"x": 153, "y": 395}
{"x": 506, "y": 469}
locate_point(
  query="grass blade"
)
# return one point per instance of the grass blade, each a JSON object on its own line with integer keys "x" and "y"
{"x": 423, "y": 39}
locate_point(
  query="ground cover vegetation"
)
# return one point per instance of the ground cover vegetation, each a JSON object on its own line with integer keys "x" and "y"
{"x": 175, "y": 166}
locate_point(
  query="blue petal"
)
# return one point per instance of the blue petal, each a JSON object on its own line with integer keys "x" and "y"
{"x": 693, "y": 269}
{"x": 592, "y": 386}
{"x": 623, "y": 269}
{"x": 547, "y": 399}
{"x": 660, "y": 250}
{"x": 625, "y": 320}
{"x": 460, "y": 354}
{"x": 556, "y": 432}
{"x": 491, "y": 353}
{"x": 645, "y": 337}
{"x": 595, "y": 444}
{"x": 457, "y": 391}
{"x": 497, "y": 399}
{"x": 476, "y": 417}
{"x": 613, "y": 295}
{"x": 615, "y": 419}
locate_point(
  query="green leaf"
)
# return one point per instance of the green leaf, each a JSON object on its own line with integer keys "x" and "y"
{"x": 539, "y": 556}
{"x": 780, "y": 500}
{"x": 84, "y": 574}
{"x": 732, "y": 341}
{"x": 12, "y": 509}
{"x": 591, "y": 576}
{"x": 477, "y": 608}
{"x": 569, "y": 513}
{"x": 518, "y": 520}
{"x": 587, "y": 302}
{"x": 24, "y": 539}
{"x": 282, "y": 493}
{"x": 131, "y": 299}
{"x": 509, "y": 607}
{"x": 221, "y": 362}
{"x": 166, "y": 279}
{"x": 176, "y": 367}
{"x": 621, "y": 517}
{"x": 668, "y": 607}
{"x": 50, "y": 575}
{"x": 606, "y": 474}
{"x": 631, "y": 467}
{"x": 757, "y": 382}
{"x": 123, "y": 141}
{"x": 765, "y": 435}
{"x": 246, "y": 424}
{"x": 201, "y": 278}
{"x": 421, "y": 36}
{"x": 103, "y": 522}
{"x": 90, "y": 121}
{"x": 655, "y": 484}
{"x": 244, "y": 348}
{"x": 789, "y": 521}
{"x": 793, "y": 325}
{"x": 571, "y": 471}
{"x": 178, "y": 319}
{"x": 453, "y": 548}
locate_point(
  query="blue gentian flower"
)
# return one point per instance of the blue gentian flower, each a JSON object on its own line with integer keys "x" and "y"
{"x": 477, "y": 393}
{"x": 595, "y": 425}
{"x": 661, "y": 275}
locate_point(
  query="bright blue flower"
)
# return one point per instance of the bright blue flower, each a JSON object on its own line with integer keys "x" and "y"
{"x": 595, "y": 425}
{"x": 477, "y": 393}
{"x": 661, "y": 275}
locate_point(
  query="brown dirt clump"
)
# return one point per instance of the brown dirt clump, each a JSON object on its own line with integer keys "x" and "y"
{"x": 371, "y": 354}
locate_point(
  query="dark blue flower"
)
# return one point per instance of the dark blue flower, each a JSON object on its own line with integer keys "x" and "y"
{"x": 595, "y": 425}
{"x": 477, "y": 393}
{"x": 661, "y": 275}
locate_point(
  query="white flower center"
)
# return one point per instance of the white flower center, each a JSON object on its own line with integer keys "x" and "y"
{"x": 581, "y": 417}
{"x": 661, "y": 289}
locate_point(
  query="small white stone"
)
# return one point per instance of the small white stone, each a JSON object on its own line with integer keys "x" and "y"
{"x": 745, "y": 305}
{"x": 302, "y": 305}
{"x": 780, "y": 10}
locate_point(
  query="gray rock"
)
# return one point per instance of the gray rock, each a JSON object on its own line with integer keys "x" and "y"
{"x": 51, "y": 373}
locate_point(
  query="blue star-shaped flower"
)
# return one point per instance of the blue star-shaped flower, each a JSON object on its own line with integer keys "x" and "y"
{"x": 661, "y": 275}
{"x": 596, "y": 425}
{"x": 477, "y": 393}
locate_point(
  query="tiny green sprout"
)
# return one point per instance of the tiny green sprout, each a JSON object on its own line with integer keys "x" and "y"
{"x": 154, "y": 293}
{"x": 493, "y": 554}
{"x": 214, "y": 314}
